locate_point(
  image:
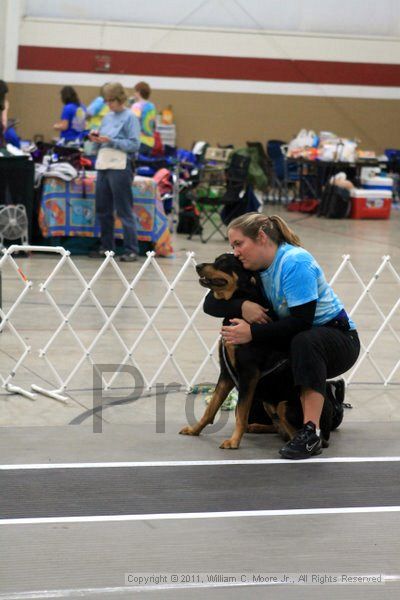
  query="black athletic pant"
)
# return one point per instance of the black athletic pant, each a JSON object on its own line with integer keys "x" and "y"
{"x": 315, "y": 355}
{"x": 322, "y": 353}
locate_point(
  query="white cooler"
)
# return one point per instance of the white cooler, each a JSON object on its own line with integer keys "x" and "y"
{"x": 377, "y": 183}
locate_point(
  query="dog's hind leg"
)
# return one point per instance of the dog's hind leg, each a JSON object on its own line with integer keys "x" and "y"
{"x": 259, "y": 420}
{"x": 279, "y": 420}
{"x": 260, "y": 428}
{"x": 246, "y": 394}
{"x": 286, "y": 430}
{"x": 223, "y": 387}
{"x": 270, "y": 409}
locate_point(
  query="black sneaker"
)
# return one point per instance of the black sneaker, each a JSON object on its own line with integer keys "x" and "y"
{"x": 306, "y": 443}
{"x": 128, "y": 257}
{"x": 335, "y": 392}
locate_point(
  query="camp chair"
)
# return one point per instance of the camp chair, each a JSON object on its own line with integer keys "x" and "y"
{"x": 210, "y": 191}
{"x": 284, "y": 173}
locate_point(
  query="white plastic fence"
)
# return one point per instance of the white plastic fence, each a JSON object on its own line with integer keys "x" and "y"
{"x": 131, "y": 352}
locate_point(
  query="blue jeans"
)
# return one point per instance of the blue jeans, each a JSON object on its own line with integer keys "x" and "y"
{"x": 114, "y": 192}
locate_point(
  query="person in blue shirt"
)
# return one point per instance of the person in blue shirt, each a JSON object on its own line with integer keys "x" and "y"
{"x": 72, "y": 122}
{"x": 118, "y": 140}
{"x": 96, "y": 111}
{"x": 12, "y": 137}
{"x": 312, "y": 326}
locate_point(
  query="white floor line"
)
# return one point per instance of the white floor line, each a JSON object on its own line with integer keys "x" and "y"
{"x": 128, "y": 589}
{"x": 203, "y": 515}
{"x": 197, "y": 463}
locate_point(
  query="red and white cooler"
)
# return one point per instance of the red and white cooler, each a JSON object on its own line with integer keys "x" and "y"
{"x": 370, "y": 204}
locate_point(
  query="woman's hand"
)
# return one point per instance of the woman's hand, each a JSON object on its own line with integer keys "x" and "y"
{"x": 102, "y": 139}
{"x": 94, "y": 136}
{"x": 237, "y": 333}
{"x": 255, "y": 313}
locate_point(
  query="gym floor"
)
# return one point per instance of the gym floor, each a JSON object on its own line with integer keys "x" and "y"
{"x": 91, "y": 504}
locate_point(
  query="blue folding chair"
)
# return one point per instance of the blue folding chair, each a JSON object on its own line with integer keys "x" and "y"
{"x": 284, "y": 175}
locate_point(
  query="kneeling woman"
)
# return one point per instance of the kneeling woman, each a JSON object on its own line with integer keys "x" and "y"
{"x": 312, "y": 324}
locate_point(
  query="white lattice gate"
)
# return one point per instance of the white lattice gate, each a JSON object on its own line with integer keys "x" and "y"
{"x": 373, "y": 327}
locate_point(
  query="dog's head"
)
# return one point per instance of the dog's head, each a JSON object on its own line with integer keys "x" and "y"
{"x": 225, "y": 276}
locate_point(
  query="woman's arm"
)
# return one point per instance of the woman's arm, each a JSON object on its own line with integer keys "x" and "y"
{"x": 252, "y": 312}
{"x": 131, "y": 142}
{"x": 4, "y": 114}
{"x": 283, "y": 331}
{"x": 300, "y": 319}
{"x": 66, "y": 117}
{"x": 229, "y": 309}
{"x": 61, "y": 125}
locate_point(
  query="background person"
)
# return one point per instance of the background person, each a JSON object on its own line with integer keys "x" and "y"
{"x": 145, "y": 111}
{"x": 118, "y": 142}
{"x": 4, "y": 105}
{"x": 96, "y": 111}
{"x": 72, "y": 122}
{"x": 312, "y": 326}
{"x": 8, "y": 135}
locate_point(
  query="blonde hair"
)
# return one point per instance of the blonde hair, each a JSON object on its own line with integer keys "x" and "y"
{"x": 250, "y": 224}
{"x": 114, "y": 91}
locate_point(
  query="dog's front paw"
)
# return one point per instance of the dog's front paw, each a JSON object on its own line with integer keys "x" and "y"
{"x": 189, "y": 431}
{"x": 230, "y": 444}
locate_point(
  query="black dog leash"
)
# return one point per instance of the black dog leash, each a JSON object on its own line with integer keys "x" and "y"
{"x": 229, "y": 367}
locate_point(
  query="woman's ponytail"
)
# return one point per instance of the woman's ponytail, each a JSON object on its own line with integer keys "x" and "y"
{"x": 286, "y": 234}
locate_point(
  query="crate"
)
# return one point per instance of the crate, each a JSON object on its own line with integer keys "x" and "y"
{"x": 213, "y": 172}
{"x": 218, "y": 155}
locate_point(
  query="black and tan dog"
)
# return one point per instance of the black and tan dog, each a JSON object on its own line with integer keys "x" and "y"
{"x": 263, "y": 377}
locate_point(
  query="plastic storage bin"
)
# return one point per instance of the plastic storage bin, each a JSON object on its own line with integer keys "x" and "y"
{"x": 370, "y": 204}
{"x": 168, "y": 134}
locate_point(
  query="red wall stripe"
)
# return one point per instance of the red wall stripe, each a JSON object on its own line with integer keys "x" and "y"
{"x": 215, "y": 67}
